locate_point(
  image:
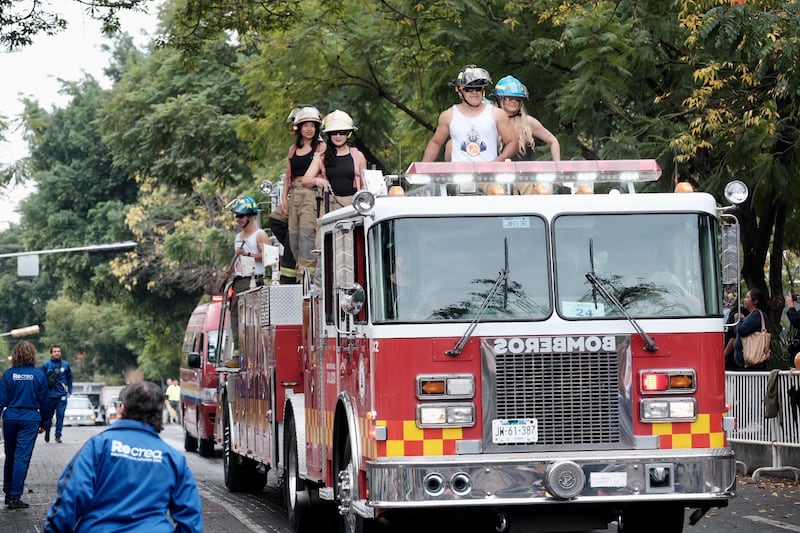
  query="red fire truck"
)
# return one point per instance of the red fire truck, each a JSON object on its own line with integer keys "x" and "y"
{"x": 553, "y": 360}
{"x": 198, "y": 378}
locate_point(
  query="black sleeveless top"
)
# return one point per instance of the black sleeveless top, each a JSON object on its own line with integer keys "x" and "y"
{"x": 300, "y": 163}
{"x": 341, "y": 175}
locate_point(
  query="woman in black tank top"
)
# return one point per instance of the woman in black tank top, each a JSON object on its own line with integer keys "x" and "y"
{"x": 299, "y": 192}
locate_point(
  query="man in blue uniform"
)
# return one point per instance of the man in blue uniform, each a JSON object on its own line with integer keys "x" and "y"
{"x": 59, "y": 378}
{"x": 127, "y": 478}
{"x": 23, "y": 394}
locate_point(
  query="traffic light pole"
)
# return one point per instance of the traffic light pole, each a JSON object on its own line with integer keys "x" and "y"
{"x": 126, "y": 245}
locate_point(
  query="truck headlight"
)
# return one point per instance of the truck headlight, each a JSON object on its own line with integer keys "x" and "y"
{"x": 445, "y": 415}
{"x": 668, "y": 409}
{"x": 445, "y": 387}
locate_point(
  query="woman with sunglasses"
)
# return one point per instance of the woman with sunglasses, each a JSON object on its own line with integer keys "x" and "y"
{"x": 474, "y": 126}
{"x": 340, "y": 171}
{"x": 299, "y": 194}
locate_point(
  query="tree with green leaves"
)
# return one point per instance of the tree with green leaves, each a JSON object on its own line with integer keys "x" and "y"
{"x": 21, "y": 22}
{"x": 745, "y": 111}
{"x": 80, "y": 196}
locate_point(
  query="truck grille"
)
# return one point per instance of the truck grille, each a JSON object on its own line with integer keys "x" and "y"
{"x": 574, "y": 397}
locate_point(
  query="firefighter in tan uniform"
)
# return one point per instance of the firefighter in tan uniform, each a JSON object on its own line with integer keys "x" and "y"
{"x": 278, "y": 224}
{"x": 300, "y": 195}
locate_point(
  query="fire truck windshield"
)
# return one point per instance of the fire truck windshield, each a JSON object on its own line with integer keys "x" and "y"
{"x": 443, "y": 268}
{"x": 656, "y": 265}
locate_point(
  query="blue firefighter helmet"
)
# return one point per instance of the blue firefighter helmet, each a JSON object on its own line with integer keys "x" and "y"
{"x": 245, "y": 205}
{"x": 510, "y": 86}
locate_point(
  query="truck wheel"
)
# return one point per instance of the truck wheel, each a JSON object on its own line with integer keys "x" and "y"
{"x": 640, "y": 518}
{"x": 206, "y": 447}
{"x": 346, "y": 469}
{"x": 296, "y": 495}
{"x": 254, "y": 479}
{"x": 189, "y": 442}
{"x": 231, "y": 462}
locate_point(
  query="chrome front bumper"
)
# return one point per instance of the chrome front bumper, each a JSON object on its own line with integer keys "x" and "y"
{"x": 707, "y": 478}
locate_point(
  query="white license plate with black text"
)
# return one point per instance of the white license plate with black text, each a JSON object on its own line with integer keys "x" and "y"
{"x": 515, "y": 431}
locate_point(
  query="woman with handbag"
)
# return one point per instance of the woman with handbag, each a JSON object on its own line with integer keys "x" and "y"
{"x": 751, "y": 347}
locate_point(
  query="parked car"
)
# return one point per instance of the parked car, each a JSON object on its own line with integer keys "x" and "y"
{"x": 93, "y": 390}
{"x": 79, "y": 412}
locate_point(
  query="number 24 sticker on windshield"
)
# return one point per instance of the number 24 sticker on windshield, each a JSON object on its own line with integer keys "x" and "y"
{"x": 515, "y": 431}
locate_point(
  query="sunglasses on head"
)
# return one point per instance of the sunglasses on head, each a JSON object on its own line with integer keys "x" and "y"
{"x": 339, "y": 133}
{"x": 241, "y": 216}
{"x": 473, "y": 89}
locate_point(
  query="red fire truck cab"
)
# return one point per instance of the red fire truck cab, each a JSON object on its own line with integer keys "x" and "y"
{"x": 198, "y": 377}
{"x": 544, "y": 358}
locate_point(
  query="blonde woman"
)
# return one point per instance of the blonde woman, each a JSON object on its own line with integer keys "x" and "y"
{"x": 510, "y": 93}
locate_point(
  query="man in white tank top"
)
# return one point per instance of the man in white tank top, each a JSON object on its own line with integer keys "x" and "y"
{"x": 247, "y": 264}
{"x": 473, "y": 125}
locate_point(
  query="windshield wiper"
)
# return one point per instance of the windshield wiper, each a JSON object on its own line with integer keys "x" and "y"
{"x": 602, "y": 288}
{"x": 502, "y": 280}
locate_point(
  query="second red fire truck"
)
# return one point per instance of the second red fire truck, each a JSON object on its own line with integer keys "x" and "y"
{"x": 546, "y": 359}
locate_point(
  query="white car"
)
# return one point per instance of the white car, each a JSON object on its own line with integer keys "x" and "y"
{"x": 79, "y": 412}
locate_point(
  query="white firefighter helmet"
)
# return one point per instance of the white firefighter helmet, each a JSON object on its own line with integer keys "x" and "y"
{"x": 338, "y": 121}
{"x": 304, "y": 114}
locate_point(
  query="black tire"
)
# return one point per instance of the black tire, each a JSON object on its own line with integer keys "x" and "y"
{"x": 231, "y": 462}
{"x": 638, "y": 518}
{"x": 345, "y": 466}
{"x": 189, "y": 442}
{"x": 254, "y": 479}
{"x": 296, "y": 494}
{"x": 206, "y": 447}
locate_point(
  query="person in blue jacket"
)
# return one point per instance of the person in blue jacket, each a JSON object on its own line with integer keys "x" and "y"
{"x": 127, "y": 479}
{"x": 23, "y": 395}
{"x": 59, "y": 378}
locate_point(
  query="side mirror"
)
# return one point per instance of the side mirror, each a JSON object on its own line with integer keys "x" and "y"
{"x": 736, "y": 192}
{"x": 352, "y": 299}
{"x": 193, "y": 360}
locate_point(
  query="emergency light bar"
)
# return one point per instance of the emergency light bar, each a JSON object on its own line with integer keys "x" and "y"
{"x": 546, "y": 172}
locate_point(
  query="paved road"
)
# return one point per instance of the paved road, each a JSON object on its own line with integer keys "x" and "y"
{"x": 771, "y": 506}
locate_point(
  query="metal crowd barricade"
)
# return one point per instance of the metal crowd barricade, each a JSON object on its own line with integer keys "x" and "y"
{"x": 745, "y": 393}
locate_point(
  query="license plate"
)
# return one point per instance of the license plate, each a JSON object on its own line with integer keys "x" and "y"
{"x": 515, "y": 431}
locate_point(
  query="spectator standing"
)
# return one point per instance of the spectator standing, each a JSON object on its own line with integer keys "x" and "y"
{"x": 755, "y": 303}
{"x": 793, "y": 316}
{"x": 173, "y": 394}
{"x": 734, "y": 315}
{"x": 23, "y": 399}
{"x": 474, "y": 125}
{"x": 59, "y": 379}
{"x": 127, "y": 478}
